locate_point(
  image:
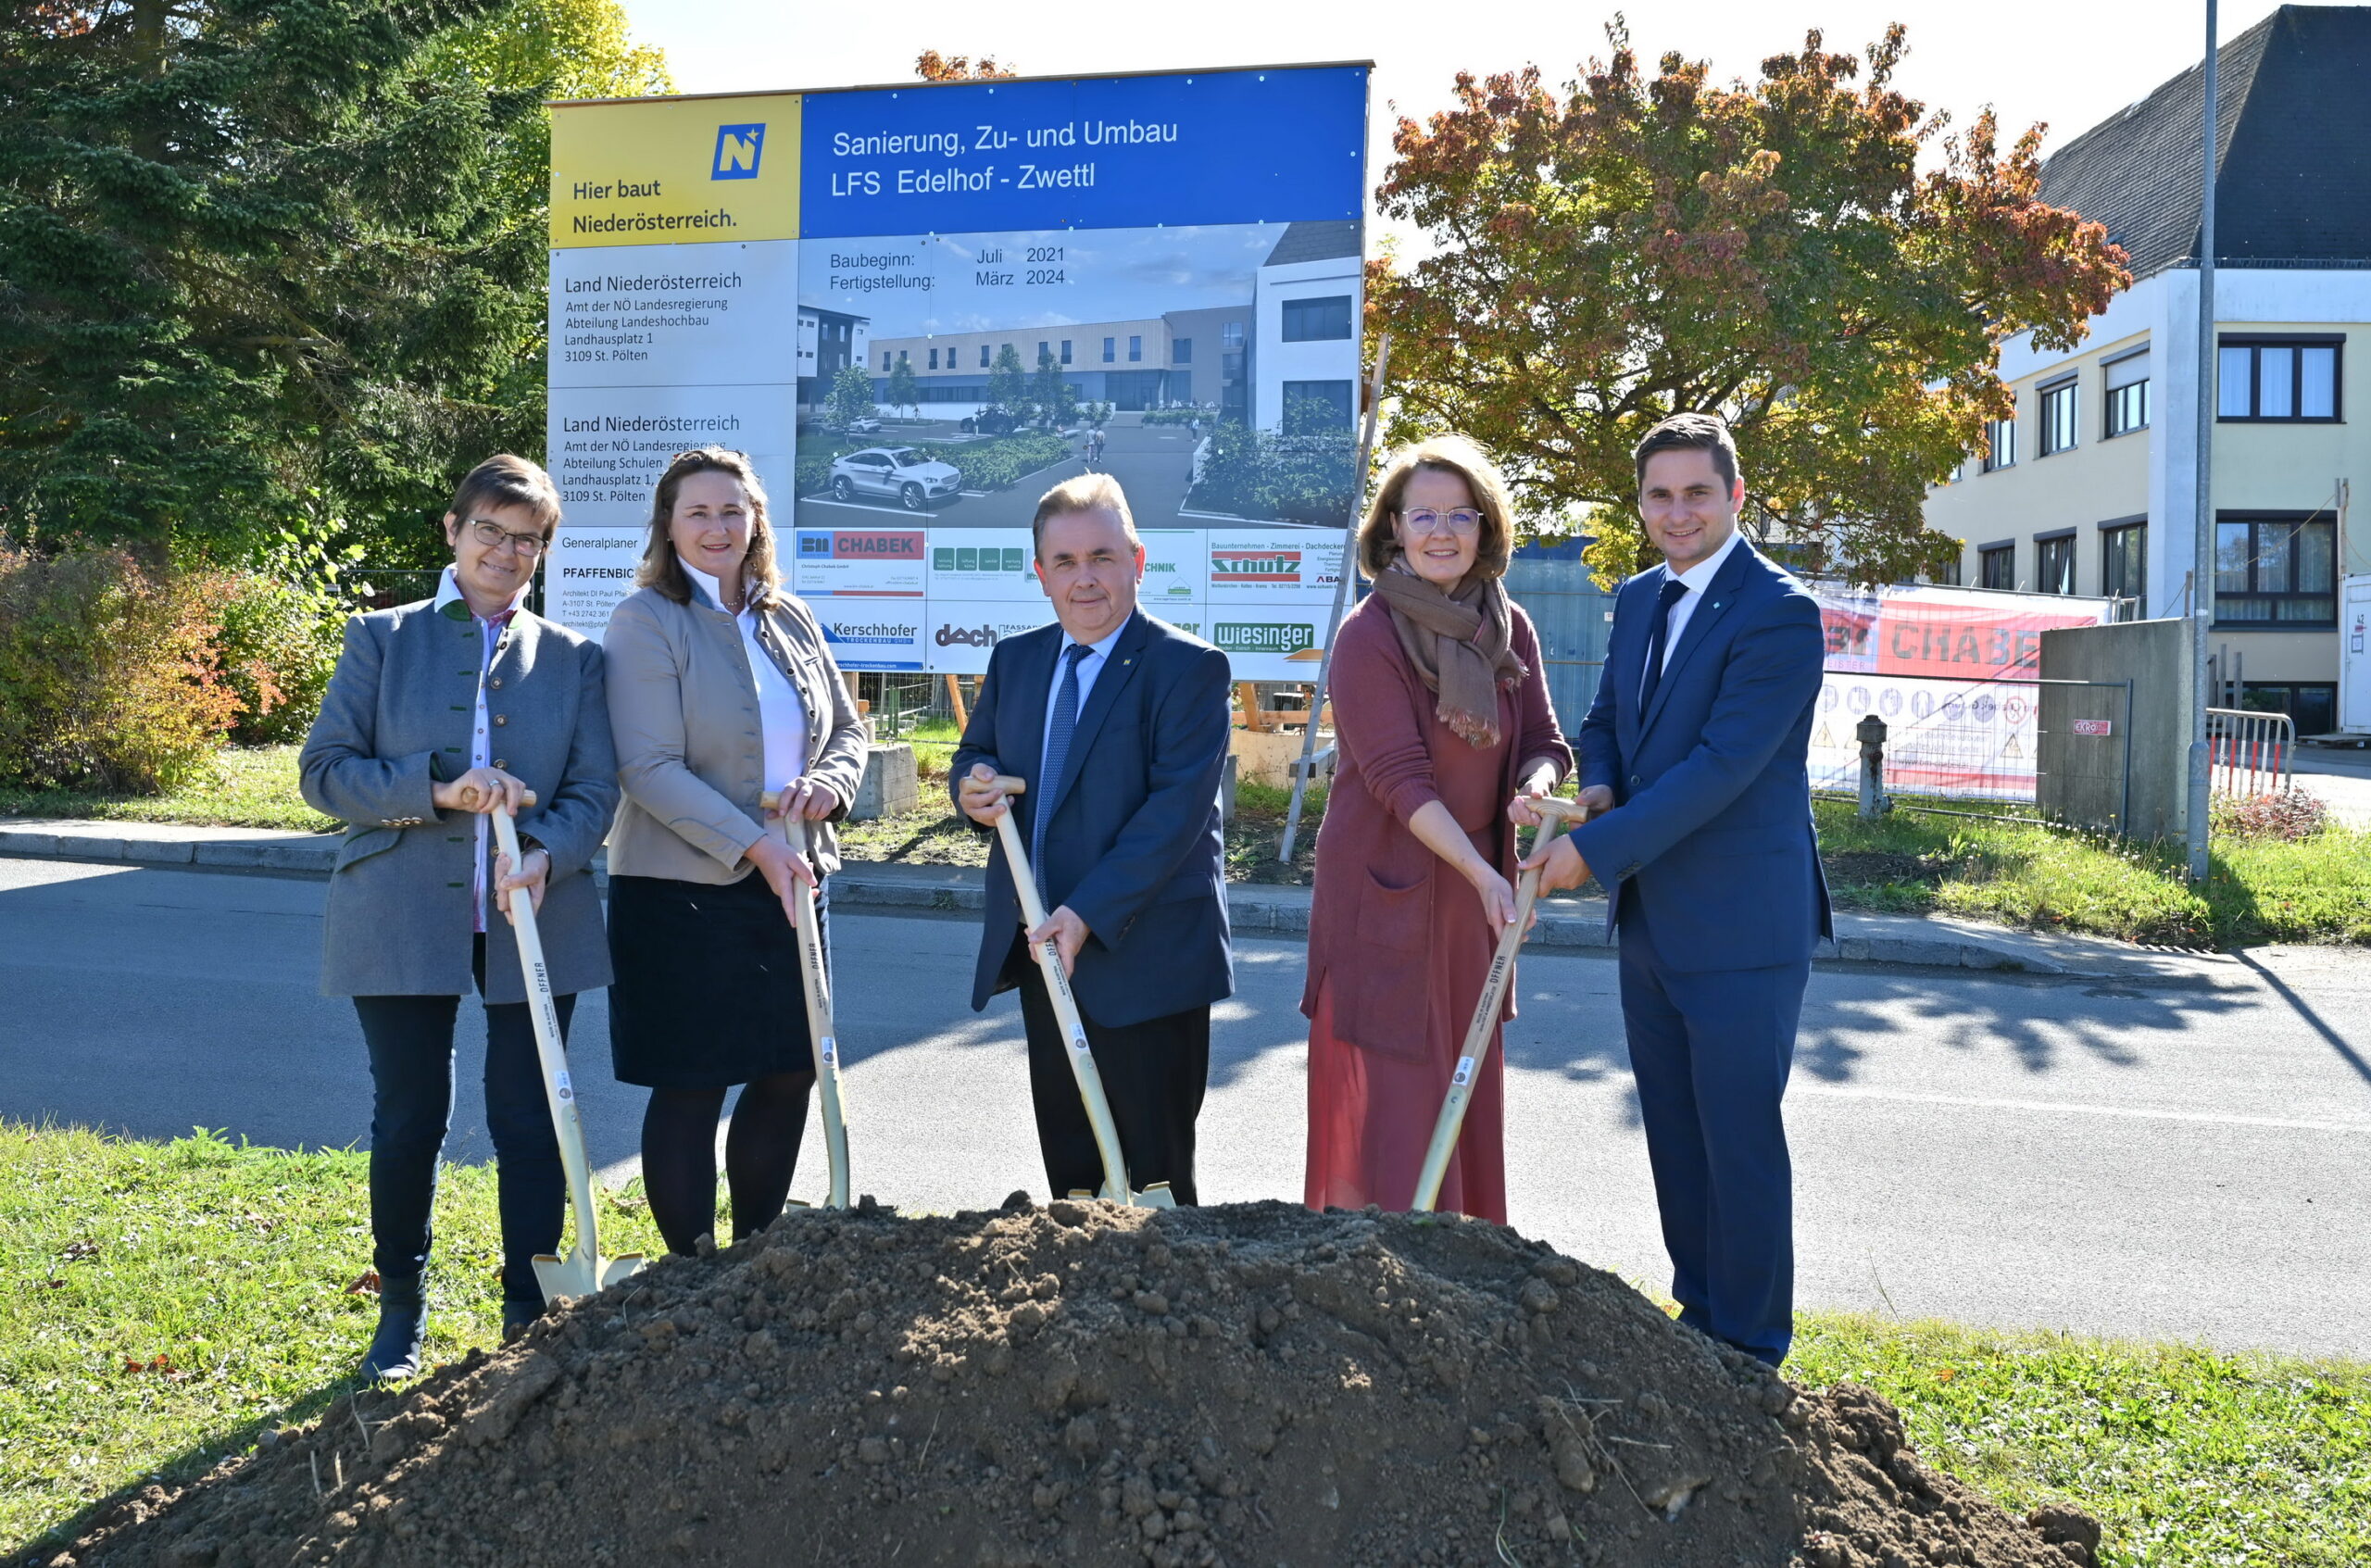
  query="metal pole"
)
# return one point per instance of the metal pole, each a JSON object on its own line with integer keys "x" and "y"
{"x": 2202, "y": 598}
{"x": 1341, "y": 594}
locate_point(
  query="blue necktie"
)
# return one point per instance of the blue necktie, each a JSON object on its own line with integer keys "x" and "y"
{"x": 1049, "y": 773}
{"x": 1658, "y": 640}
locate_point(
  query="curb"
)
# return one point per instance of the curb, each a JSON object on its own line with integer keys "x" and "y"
{"x": 1565, "y": 925}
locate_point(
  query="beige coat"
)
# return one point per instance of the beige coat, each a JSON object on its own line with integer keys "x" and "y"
{"x": 684, "y": 710}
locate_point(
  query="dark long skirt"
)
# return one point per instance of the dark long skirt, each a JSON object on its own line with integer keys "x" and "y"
{"x": 709, "y": 991}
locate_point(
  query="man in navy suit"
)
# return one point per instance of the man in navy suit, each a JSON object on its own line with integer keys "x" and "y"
{"x": 1694, "y": 751}
{"x": 1119, "y": 723}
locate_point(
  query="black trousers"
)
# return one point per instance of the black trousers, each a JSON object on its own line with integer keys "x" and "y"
{"x": 1153, "y": 1073}
{"x": 411, "y": 1041}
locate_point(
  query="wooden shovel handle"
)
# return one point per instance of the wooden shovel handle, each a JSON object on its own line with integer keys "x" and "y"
{"x": 1009, "y": 785}
{"x": 1557, "y": 806}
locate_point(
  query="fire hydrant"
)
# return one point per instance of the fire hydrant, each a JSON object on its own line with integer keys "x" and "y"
{"x": 1871, "y": 733}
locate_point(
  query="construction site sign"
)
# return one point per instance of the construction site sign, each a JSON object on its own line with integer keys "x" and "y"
{"x": 918, "y": 308}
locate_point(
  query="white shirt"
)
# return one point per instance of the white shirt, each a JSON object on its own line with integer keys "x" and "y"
{"x": 1695, "y": 579}
{"x": 782, "y": 713}
{"x": 448, "y": 591}
{"x": 1088, "y": 667}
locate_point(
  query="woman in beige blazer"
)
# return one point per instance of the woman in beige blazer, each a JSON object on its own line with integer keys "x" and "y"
{"x": 720, "y": 688}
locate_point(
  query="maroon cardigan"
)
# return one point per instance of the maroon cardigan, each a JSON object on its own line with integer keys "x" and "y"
{"x": 1387, "y": 736}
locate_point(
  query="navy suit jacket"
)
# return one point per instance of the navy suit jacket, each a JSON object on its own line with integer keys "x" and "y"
{"x": 1714, "y": 824}
{"x": 1134, "y": 845}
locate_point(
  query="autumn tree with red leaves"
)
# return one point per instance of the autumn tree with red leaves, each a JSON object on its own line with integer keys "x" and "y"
{"x": 932, "y": 66}
{"x": 1770, "y": 251}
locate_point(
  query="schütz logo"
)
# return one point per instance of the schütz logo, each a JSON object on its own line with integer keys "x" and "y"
{"x": 738, "y": 148}
{"x": 1256, "y": 566}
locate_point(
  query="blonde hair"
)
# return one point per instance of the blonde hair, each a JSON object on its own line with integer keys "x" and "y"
{"x": 1085, "y": 493}
{"x": 1379, "y": 545}
{"x": 663, "y": 570}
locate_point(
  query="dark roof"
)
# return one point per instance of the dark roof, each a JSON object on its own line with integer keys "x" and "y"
{"x": 1320, "y": 241}
{"x": 2293, "y": 172}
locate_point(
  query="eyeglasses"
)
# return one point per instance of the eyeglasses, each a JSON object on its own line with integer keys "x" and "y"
{"x": 1423, "y": 519}
{"x": 494, "y": 536}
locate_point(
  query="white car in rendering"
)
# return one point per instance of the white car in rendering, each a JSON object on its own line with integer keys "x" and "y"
{"x": 898, "y": 473}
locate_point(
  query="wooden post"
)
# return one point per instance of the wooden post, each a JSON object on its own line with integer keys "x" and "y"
{"x": 954, "y": 700}
{"x": 1247, "y": 693}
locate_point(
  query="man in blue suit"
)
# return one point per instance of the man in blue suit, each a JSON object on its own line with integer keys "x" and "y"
{"x": 1119, "y": 723}
{"x": 1694, "y": 751}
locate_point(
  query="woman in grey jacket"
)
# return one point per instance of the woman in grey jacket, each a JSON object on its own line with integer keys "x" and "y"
{"x": 437, "y": 711}
{"x": 720, "y": 688}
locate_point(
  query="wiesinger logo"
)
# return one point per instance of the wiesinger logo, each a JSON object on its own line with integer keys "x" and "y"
{"x": 1265, "y": 636}
{"x": 738, "y": 151}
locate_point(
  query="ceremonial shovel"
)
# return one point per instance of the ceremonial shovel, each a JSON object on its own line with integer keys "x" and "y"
{"x": 584, "y": 1270}
{"x": 1485, "y": 1012}
{"x": 1048, "y": 955}
{"x": 819, "y": 1009}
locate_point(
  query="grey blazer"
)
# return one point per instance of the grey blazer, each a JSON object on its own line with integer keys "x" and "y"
{"x": 395, "y": 722}
{"x": 683, "y": 708}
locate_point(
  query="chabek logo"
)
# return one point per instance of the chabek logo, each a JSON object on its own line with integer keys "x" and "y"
{"x": 1265, "y": 636}
{"x": 738, "y": 148}
{"x": 1256, "y": 566}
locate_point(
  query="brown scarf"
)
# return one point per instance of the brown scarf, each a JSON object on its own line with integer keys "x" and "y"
{"x": 1460, "y": 643}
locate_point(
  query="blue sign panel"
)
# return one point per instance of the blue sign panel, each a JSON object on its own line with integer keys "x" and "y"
{"x": 1252, "y": 146}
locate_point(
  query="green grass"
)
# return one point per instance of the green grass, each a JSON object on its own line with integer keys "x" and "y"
{"x": 2049, "y": 879}
{"x": 232, "y": 1263}
{"x": 2186, "y": 1456}
{"x": 252, "y": 787}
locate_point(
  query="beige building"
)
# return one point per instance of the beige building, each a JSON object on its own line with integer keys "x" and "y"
{"x": 2091, "y": 488}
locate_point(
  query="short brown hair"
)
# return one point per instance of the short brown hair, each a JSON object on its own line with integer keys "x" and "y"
{"x": 1379, "y": 547}
{"x": 1692, "y": 433}
{"x": 1085, "y": 493}
{"x": 506, "y": 480}
{"x": 663, "y": 569}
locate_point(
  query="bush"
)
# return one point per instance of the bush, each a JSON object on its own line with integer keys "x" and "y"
{"x": 992, "y": 465}
{"x": 111, "y": 676}
{"x": 1179, "y": 416}
{"x": 277, "y": 644}
{"x": 1294, "y": 478}
{"x": 2289, "y": 814}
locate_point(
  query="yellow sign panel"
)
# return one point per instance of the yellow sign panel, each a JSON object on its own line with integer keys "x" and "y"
{"x": 675, "y": 171}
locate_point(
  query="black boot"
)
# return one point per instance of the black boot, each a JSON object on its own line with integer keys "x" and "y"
{"x": 403, "y": 1325}
{"x": 518, "y": 1317}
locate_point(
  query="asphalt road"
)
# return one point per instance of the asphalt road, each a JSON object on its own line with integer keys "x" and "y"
{"x": 2181, "y": 1161}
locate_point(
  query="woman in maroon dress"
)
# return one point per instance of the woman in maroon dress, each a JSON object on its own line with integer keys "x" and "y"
{"x": 1444, "y": 729}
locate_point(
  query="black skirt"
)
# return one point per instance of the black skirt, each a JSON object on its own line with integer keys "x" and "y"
{"x": 708, "y": 992}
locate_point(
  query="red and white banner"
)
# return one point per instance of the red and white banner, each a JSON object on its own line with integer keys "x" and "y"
{"x": 1950, "y": 670}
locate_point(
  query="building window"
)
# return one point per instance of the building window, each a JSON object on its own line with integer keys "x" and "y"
{"x": 2128, "y": 397}
{"x": 2000, "y": 444}
{"x": 885, "y": 359}
{"x": 2274, "y": 570}
{"x": 1045, "y": 350}
{"x": 1317, "y": 320}
{"x": 1949, "y": 577}
{"x": 903, "y": 358}
{"x": 1181, "y": 351}
{"x": 1066, "y": 351}
{"x": 2124, "y": 568}
{"x": 1111, "y": 349}
{"x": 1997, "y": 566}
{"x": 2058, "y": 417}
{"x": 1312, "y": 407}
{"x": 1136, "y": 348}
{"x": 2054, "y": 562}
{"x": 1231, "y": 336}
{"x": 2311, "y": 706}
{"x": 2292, "y": 379}
{"x": 934, "y": 358}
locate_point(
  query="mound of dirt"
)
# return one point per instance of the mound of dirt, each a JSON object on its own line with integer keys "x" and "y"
{"x": 1079, "y": 1384}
